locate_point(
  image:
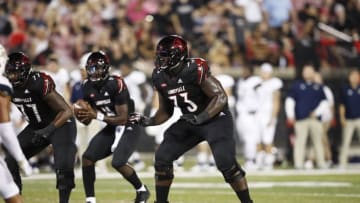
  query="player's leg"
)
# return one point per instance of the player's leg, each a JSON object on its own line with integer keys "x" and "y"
{"x": 219, "y": 135}
{"x": 347, "y": 134}
{"x": 63, "y": 142}
{"x": 248, "y": 132}
{"x": 301, "y": 132}
{"x": 29, "y": 150}
{"x": 316, "y": 133}
{"x": 8, "y": 189}
{"x": 125, "y": 147}
{"x": 178, "y": 139}
{"x": 99, "y": 148}
{"x": 267, "y": 139}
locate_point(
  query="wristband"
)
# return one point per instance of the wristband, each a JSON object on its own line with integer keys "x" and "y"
{"x": 100, "y": 116}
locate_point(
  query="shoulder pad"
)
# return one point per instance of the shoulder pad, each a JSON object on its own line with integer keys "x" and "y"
{"x": 41, "y": 82}
{"x": 119, "y": 82}
{"x": 201, "y": 69}
{"x": 5, "y": 86}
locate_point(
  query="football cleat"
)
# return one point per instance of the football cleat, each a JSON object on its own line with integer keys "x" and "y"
{"x": 142, "y": 196}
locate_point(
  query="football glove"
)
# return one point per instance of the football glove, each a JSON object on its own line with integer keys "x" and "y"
{"x": 40, "y": 136}
{"x": 196, "y": 119}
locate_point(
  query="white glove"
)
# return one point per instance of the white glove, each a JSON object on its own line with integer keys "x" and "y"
{"x": 119, "y": 131}
{"x": 25, "y": 168}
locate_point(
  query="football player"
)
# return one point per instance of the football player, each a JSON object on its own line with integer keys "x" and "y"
{"x": 8, "y": 189}
{"x": 188, "y": 84}
{"x": 50, "y": 121}
{"x": 109, "y": 101}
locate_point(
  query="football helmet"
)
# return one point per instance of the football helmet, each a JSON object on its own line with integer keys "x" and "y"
{"x": 97, "y": 67}
{"x": 171, "y": 51}
{"x": 17, "y": 68}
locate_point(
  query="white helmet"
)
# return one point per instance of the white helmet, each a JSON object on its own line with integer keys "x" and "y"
{"x": 3, "y": 59}
{"x": 83, "y": 60}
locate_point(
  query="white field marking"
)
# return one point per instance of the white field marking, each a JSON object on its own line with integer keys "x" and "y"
{"x": 269, "y": 184}
{"x": 317, "y": 194}
{"x": 277, "y": 172}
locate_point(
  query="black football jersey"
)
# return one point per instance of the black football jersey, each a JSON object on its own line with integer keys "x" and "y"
{"x": 113, "y": 92}
{"x": 184, "y": 90}
{"x": 30, "y": 99}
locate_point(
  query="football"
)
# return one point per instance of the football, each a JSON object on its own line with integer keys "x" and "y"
{"x": 81, "y": 105}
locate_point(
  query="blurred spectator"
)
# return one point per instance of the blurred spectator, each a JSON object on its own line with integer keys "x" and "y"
{"x": 258, "y": 50}
{"x": 253, "y": 12}
{"x": 349, "y": 111}
{"x": 305, "y": 48}
{"x": 303, "y": 107}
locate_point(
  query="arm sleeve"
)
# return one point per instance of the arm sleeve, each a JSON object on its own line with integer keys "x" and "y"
{"x": 290, "y": 107}
{"x": 10, "y": 141}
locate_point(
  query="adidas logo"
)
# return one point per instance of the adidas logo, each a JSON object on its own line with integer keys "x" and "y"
{"x": 27, "y": 91}
{"x": 179, "y": 81}
{"x": 106, "y": 94}
{"x": 129, "y": 128}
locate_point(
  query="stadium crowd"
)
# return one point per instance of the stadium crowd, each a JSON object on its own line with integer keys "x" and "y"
{"x": 230, "y": 34}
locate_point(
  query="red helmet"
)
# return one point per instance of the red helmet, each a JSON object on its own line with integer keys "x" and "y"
{"x": 17, "y": 68}
{"x": 97, "y": 66}
{"x": 170, "y": 52}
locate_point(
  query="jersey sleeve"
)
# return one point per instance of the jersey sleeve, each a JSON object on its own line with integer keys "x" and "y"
{"x": 5, "y": 86}
{"x": 121, "y": 94}
{"x": 42, "y": 84}
{"x": 202, "y": 70}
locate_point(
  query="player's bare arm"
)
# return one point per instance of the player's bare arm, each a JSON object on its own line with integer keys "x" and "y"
{"x": 164, "y": 112}
{"x": 4, "y": 107}
{"x": 58, "y": 104}
{"x": 213, "y": 89}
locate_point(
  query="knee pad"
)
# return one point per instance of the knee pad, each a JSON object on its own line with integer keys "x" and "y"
{"x": 164, "y": 171}
{"x": 65, "y": 179}
{"x": 118, "y": 163}
{"x": 235, "y": 172}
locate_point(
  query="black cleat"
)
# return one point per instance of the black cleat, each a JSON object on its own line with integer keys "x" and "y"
{"x": 142, "y": 196}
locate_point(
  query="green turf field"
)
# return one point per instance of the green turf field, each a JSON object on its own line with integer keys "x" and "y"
{"x": 281, "y": 186}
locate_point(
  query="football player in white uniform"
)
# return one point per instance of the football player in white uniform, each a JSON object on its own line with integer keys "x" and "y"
{"x": 8, "y": 189}
{"x": 268, "y": 94}
{"x": 246, "y": 107}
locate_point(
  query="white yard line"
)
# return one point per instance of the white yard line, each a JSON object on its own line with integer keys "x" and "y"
{"x": 278, "y": 172}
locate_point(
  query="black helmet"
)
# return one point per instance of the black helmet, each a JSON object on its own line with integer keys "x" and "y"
{"x": 17, "y": 68}
{"x": 97, "y": 67}
{"x": 170, "y": 52}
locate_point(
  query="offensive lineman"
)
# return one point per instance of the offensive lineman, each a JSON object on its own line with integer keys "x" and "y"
{"x": 8, "y": 189}
{"x": 187, "y": 83}
{"x": 109, "y": 101}
{"x": 50, "y": 121}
